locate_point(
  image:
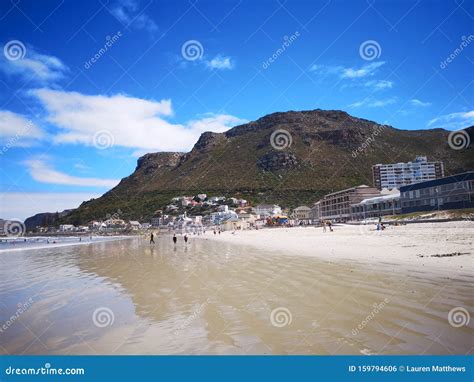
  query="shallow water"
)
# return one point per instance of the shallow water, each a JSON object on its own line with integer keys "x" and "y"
{"x": 125, "y": 297}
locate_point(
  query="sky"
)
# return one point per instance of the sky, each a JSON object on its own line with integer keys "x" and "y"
{"x": 86, "y": 87}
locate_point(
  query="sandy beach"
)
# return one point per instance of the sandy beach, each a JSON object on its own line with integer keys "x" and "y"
{"x": 444, "y": 247}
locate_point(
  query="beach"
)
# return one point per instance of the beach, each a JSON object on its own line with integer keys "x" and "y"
{"x": 226, "y": 294}
{"x": 446, "y": 248}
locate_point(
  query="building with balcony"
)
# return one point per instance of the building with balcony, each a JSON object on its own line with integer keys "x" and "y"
{"x": 396, "y": 175}
{"x": 337, "y": 206}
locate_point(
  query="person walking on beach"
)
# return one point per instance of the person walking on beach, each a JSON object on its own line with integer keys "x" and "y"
{"x": 324, "y": 226}
{"x": 330, "y": 226}
{"x": 152, "y": 237}
{"x": 186, "y": 239}
{"x": 174, "y": 239}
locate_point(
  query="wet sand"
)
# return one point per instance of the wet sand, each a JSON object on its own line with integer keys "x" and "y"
{"x": 212, "y": 297}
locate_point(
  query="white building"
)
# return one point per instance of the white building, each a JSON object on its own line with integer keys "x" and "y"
{"x": 302, "y": 214}
{"x": 66, "y": 227}
{"x": 267, "y": 210}
{"x": 400, "y": 174}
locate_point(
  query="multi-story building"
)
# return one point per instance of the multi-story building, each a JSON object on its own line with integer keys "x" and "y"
{"x": 315, "y": 214}
{"x": 396, "y": 175}
{"x": 451, "y": 192}
{"x": 337, "y": 206}
{"x": 388, "y": 204}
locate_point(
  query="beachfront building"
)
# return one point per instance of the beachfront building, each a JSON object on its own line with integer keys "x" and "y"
{"x": 302, "y": 214}
{"x": 451, "y": 192}
{"x": 315, "y": 214}
{"x": 66, "y": 227}
{"x": 386, "y": 204}
{"x": 337, "y": 206}
{"x": 396, "y": 175}
{"x": 264, "y": 210}
{"x": 134, "y": 225}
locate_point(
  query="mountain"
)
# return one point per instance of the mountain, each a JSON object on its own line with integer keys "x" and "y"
{"x": 313, "y": 153}
{"x": 45, "y": 219}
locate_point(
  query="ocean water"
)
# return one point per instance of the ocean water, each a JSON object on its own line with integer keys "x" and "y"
{"x": 127, "y": 297}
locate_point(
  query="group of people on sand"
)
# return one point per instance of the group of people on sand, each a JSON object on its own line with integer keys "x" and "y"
{"x": 175, "y": 239}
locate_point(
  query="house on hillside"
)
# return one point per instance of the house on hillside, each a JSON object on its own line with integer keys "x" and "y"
{"x": 302, "y": 214}
{"x": 264, "y": 210}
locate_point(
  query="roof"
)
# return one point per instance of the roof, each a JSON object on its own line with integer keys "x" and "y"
{"x": 438, "y": 182}
{"x": 347, "y": 189}
{"x": 378, "y": 199}
{"x": 302, "y": 208}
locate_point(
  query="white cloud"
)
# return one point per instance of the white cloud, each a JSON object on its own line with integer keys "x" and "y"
{"x": 17, "y": 130}
{"x": 453, "y": 121}
{"x": 20, "y": 205}
{"x": 379, "y": 84}
{"x": 220, "y": 62}
{"x": 128, "y": 12}
{"x": 42, "y": 172}
{"x": 35, "y": 66}
{"x": 370, "y": 102}
{"x": 417, "y": 102}
{"x": 132, "y": 122}
{"x": 364, "y": 71}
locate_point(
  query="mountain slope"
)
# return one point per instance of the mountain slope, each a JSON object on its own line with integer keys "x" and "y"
{"x": 330, "y": 150}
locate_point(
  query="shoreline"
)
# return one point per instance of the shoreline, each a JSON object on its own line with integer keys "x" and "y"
{"x": 439, "y": 247}
{"x": 99, "y": 239}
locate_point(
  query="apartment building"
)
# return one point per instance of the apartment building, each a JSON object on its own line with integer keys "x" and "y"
{"x": 396, "y": 175}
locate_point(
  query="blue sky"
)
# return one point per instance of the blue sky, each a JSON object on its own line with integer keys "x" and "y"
{"x": 87, "y": 87}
